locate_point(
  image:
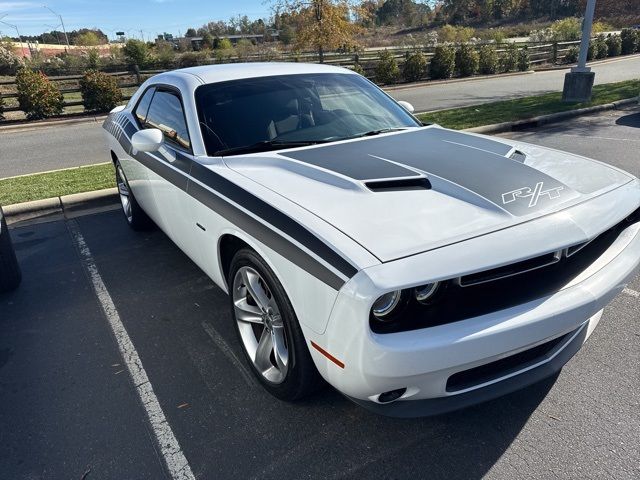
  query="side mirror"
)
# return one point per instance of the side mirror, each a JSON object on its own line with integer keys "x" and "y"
{"x": 149, "y": 140}
{"x": 406, "y": 105}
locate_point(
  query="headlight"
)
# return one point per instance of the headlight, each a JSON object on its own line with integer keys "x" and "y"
{"x": 425, "y": 293}
{"x": 386, "y": 304}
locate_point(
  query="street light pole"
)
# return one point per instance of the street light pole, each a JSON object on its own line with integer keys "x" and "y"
{"x": 586, "y": 37}
{"x": 61, "y": 23}
{"x": 578, "y": 83}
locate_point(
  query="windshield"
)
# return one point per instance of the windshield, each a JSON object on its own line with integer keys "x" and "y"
{"x": 257, "y": 114}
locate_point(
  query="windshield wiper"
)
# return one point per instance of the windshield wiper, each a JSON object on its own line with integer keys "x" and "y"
{"x": 265, "y": 146}
{"x": 372, "y": 133}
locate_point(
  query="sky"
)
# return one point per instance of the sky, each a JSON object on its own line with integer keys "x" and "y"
{"x": 150, "y": 16}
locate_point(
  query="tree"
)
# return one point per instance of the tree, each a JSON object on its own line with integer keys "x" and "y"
{"x": 136, "y": 52}
{"x": 191, "y": 32}
{"x": 87, "y": 39}
{"x": 321, "y": 24}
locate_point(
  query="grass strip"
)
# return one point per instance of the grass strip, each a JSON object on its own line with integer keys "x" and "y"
{"x": 55, "y": 184}
{"x": 527, "y": 107}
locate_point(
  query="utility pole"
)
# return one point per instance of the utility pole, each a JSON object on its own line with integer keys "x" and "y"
{"x": 15, "y": 27}
{"x": 578, "y": 83}
{"x": 66, "y": 38}
{"x": 318, "y": 5}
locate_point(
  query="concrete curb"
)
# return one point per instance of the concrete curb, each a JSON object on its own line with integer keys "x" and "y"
{"x": 66, "y": 206}
{"x": 551, "y": 118}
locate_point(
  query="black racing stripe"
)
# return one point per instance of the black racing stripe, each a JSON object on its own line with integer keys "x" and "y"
{"x": 475, "y": 163}
{"x": 130, "y": 129}
{"x": 162, "y": 168}
{"x": 272, "y": 216}
{"x": 266, "y": 235}
{"x": 183, "y": 163}
{"x": 358, "y": 167}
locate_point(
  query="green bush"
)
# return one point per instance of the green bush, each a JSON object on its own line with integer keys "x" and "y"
{"x": 487, "y": 60}
{"x": 192, "y": 59}
{"x": 567, "y": 30}
{"x": 136, "y": 52}
{"x": 466, "y": 60}
{"x": 387, "y": 70}
{"x": 37, "y": 96}
{"x": 524, "y": 62}
{"x": 614, "y": 45}
{"x": 459, "y": 34}
{"x": 509, "y": 58}
{"x": 630, "y": 39}
{"x": 356, "y": 67}
{"x": 100, "y": 92}
{"x": 415, "y": 67}
{"x": 572, "y": 55}
{"x": 9, "y": 61}
{"x": 1, "y": 108}
{"x": 600, "y": 47}
{"x": 93, "y": 59}
{"x": 591, "y": 53}
{"x": 443, "y": 63}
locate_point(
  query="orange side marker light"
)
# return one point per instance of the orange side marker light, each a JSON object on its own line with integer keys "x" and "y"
{"x": 327, "y": 354}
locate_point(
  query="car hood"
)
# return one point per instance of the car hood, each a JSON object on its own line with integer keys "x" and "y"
{"x": 404, "y": 193}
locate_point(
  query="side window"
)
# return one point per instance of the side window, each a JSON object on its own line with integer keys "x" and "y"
{"x": 166, "y": 114}
{"x": 143, "y": 105}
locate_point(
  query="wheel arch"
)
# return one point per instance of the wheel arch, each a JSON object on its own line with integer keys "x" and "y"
{"x": 228, "y": 245}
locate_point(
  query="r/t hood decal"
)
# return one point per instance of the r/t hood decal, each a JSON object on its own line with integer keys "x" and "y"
{"x": 477, "y": 164}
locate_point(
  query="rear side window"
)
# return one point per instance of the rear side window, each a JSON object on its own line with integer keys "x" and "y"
{"x": 166, "y": 113}
{"x": 143, "y": 105}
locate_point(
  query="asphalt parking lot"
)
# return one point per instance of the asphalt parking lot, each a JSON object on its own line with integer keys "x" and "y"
{"x": 69, "y": 408}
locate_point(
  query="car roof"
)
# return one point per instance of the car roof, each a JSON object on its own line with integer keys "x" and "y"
{"x": 235, "y": 71}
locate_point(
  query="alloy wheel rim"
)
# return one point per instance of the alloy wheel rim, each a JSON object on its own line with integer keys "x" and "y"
{"x": 125, "y": 196}
{"x": 260, "y": 324}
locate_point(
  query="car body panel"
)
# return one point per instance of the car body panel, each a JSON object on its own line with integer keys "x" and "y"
{"x": 337, "y": 244}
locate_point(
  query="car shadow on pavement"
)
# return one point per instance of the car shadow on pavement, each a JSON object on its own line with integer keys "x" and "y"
{"x": 631, "y": 120}
{"x": 463, "y": 444}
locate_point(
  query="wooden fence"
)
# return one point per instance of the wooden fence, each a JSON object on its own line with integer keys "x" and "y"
{"x": 540, "y": 53}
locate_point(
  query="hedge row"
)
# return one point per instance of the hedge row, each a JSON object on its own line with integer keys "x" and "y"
{"x": 610, "y": 46}
{"x": 463, "y": 60}
{"x": 40, "y": 98}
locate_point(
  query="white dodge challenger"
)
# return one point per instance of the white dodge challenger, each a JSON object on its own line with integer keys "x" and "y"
{"x": 414, "y": 268}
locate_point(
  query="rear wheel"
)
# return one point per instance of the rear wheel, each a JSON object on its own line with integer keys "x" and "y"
{"x": 135, "y": 216}
{"x": 10, "y": 275}
{"x": 268, "y": 329}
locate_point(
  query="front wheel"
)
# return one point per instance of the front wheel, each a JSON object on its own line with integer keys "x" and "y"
{"x": 133, "y": 212}
{"x": 268, "y": 329}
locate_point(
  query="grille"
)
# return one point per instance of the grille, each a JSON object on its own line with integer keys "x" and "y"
{"x": 505, "y": 366}
{"x": 497, "y": 289}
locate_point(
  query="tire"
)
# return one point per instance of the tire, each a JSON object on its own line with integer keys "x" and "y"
{"x": 10, "y": 275}
{"x": 133, "y": 212}
{"x": 300, "y": 377}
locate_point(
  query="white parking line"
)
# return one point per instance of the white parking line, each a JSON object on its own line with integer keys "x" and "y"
{"x": 175, "y": 460}
{"x": 632, "y": 293}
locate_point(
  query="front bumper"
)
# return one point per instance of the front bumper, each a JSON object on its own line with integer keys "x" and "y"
{"x": 422, "y": 361}
{"x": 547, "y": 367}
